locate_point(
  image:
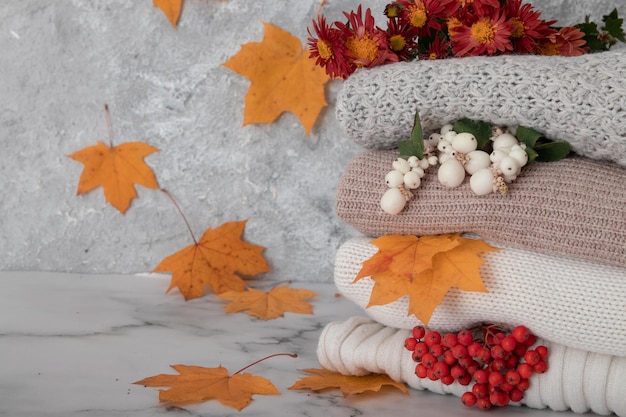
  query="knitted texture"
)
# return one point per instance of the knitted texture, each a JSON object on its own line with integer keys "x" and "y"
{"x": 577, "y": 380}
{"x": 574, "y": 207}
{"x": 575, "y": 303}
{"x": 581, "y": 100}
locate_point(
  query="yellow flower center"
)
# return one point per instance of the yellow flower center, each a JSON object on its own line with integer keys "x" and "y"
{"x": 549, "y": 48}
{"x": 465, "y": 3}
{"x": 417, "y": 15}
{"x": 397, "y": 42}
{"x": 365, "y": 48}
{"x": 432, "y": 56}
{"x": 453, "y": 23}
{"x": 325, "y": 49}
{"x": 482, "y": 31}
{"x": 518, "y": 28}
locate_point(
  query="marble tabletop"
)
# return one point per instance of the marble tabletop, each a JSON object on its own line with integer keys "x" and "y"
{"x": 73, "y": 344}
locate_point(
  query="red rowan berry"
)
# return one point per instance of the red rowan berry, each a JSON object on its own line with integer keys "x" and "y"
{"x": 521, "y": 333}
{"x": 418, "y": 332}
{"x": 410, "y": 342}
{"x": 432, "y": 337}
{"x": 468, "y": 399}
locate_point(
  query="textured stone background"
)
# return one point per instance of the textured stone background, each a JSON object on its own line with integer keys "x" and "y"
{"x": 61, "y": 61}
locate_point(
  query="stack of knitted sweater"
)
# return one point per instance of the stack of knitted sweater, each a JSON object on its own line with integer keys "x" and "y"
{"x": 561, "y": 270}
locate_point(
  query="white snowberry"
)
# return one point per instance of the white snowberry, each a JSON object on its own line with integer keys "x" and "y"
{"x": 419, "y": 171}
{"x": 451, "y": 173}
{"x": 424, "y": 163}
{"x": 446, "y": 128}
{"x": 413, "y": 161}
{"x": 497, "y": 155}
{"x": 477, "y": 160}
{"x": 412, "y": 180}
{"x": 449, "y": 136}
{"x": 504, "y": 142}
{"x": 432, "y": 160}
{"x": 464, "y": 142}
{"x": 394, "y": 178}
{"x": 444, "y": 146}
{"x": 509, "y": 168}
{"x": 481, "y": 182}
{"x": 401, "y": 165}
{"x": 519, "y": 154}
{"x": 433, "y": 140}
{"x": 393, "y": 202}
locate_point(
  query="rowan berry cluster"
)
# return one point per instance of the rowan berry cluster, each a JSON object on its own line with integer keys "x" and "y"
{"x": 498, "y": 362}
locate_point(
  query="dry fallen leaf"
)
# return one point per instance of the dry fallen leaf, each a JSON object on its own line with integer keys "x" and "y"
{"x": 171, "y": 8}
{"x": 197, "y": 384}
{"x": 324, "y": 379}
{"x": 283, "y": 78}
{"x": 116, "y": 169}
{"x": 269, "y": 305}
{"x": 424, "y": 268}
{"x": 215, "y": 260}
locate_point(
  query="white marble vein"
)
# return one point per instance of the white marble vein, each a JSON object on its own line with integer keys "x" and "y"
{"x": 72, "y": 345}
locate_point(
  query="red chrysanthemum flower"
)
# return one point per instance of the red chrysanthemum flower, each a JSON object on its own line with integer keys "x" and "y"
{"x": 568, "y": 41}
{"x": 526, "y": 27}
{"x": 402, "y": 39}
{"x": 427, "y": 15}
{"x": 366, "y": 43}
{"x": 479, "y": 7}
{"x": 486, "y": 35}
{"x": 439, "y": 48}
{"x": 329, "y": 50}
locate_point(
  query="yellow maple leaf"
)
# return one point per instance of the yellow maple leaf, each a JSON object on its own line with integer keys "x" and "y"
{"x": 323, "y": 379}
{"x": 269, "y": 305}
{"x": 196, "y": 384}
{"x": 424, "y": 268}
{"x": 215, "y": 260}
{"x": 116, "y": 169}
{"x": 283, "y": 78}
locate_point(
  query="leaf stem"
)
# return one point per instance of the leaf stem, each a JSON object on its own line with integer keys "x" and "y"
{"x": 108, "y": 118}
{"x": 167, "y": 193}
{"x": 293, "y": 355}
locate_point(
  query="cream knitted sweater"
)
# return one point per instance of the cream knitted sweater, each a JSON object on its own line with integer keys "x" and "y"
{"x": 575, "y": 303}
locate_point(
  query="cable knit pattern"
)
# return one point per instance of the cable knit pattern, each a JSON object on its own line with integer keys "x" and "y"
{"x": 581, "y": 100}
{"x": 577, "y": 380}
{"x": 571, "y": 302}
{"x": 574, "y": 207}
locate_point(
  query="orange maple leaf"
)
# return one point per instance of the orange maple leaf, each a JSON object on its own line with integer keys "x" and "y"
{"x": 283, "y": 78}
{"x": 197, "y": 384}
{"x": 171, "y": 8}
{"x": 215, "y": 260}
{"x": 324, "y": 379}
{"x": 269, "y": 305}
{"x": 424, "y": 268}
{"x": 116, "y": 169}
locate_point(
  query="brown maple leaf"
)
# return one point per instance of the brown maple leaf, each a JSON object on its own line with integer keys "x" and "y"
{"x": 171, "y": 8}
{"x": 424, "y": 268}
{"x": 282, "y": 77}
{"x": 116, "y": 169}
{"x": 197, "y": 384}
{"x": 324, "y": 379}
{"x": 269, "y": 305}
{"x": 215, "y": 260}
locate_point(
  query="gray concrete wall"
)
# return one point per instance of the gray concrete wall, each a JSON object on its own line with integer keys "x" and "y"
{"x": 60, "y": 61}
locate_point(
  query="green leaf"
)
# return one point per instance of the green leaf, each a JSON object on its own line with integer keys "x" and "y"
{"x": 532, "y": 154}
{"x": 552, "y": 151}
{"x": 613, "y": 25}
{"x": 528, "y": 136}
{"x": 414, "y": 146}
{"x": 480, "y": 129}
